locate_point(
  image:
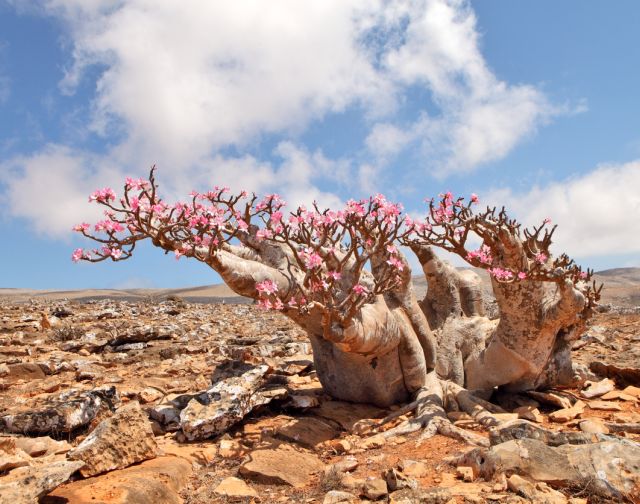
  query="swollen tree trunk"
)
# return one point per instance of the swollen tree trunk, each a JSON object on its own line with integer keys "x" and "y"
{"x": 384, "y": 353}
{"x": 528, "y": 347}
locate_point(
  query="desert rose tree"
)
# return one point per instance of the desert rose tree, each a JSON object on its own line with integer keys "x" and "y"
{"x": 340, "y": 275}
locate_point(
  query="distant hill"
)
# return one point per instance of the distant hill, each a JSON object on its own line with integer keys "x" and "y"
{"x": 621, "y": 287}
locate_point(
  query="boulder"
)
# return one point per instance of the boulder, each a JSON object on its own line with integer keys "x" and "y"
{"x": 117, "y": 442}
{"x": 26, "y": 485}
{"x": 68, "y": 411}
{"x": 152, "y": 482}
{"x": 225, "y": 404}
{"x": 610, "y": 469}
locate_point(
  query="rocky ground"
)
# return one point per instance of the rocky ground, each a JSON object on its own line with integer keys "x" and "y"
{"x": 167, "y": 401}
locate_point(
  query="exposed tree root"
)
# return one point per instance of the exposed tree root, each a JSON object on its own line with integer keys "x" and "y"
{"x": 430, "y": 413}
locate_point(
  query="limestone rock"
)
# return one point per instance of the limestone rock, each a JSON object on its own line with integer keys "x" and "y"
{"x": 530, "y": 413}
{"x": 397, "y": 480}
{"x": 596, "y": 389}
{"x": 283, "y": 465}
{"x": 566, "y": 414}
{"x": 610, "y": 469}
{"x": 70, "y": 410}
{"x": 413, "y": 468}
{"x": 152, "y": 482}
{"x": 428, "y": 496}
{"x": 465, "y": 473}
{"x": 374, "y": 488}
{"x": 339, "y": 497}
{"x": 539, "y": 492}
{"x": 347, "y": 464}
{"x": 224, "y": 404}
{"x": 234, "y": 487}
{"x": 117, "y": 442}
{"x": 373, "y": 442}
{"x": 26, "y": 485}
{"x": 145, "y": 333}
{"x": 12, "y": 456}
{"x": 593, "y": 426}
{"x": 41, "y": 446}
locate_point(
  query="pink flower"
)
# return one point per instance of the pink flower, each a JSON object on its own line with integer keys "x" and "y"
{"x": 474, "y": 198}
{"x": 522, "y": 275}
{"x": 77, "y": 255}
{"x": 267, "y": 287}
{"x": 103, "y": 195}
{"x": 501, "y": 274}
{"x": 394, "y": 262}
{"x": 547, "y": 220}
{"x": 334, "y": 275}
{"x": 264, "y": 304}
{"x": 311, "y": 258}
{"x": 264, "y": 233}
{"x": 483, "y": 254}
{"x": 116, "y": 253}
{"x": 81, "y": 227}
{"x": 541, "y": 257}
{"x": 179, "y": 253}
{"x": 360, "y": 289}
{"x": 583, "y": 275}
{"x": 135, "y": 184}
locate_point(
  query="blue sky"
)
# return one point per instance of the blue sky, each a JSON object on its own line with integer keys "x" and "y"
{"x": 533, "y": 105}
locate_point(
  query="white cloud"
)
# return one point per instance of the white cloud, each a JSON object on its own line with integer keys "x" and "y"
{"x": 480, "y": 117}
{"x": 178, "y": 82}
{"x": 50, "y": 189}
{"x": 597, "y": 213}
{"x": 182, "y": 78}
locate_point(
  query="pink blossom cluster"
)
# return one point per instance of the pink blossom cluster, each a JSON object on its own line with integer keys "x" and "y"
{"x": 135, "y": 184}
{"x": 103, "y": 195}
{"x": 483, "y": 254}
{"x": 501, "y": 274}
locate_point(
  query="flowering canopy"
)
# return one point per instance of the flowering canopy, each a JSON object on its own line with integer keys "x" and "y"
{"x": 328, "y": 252}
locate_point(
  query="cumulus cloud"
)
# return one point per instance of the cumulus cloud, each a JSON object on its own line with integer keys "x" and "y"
{"x": 480, "y": 117}
{"x": 597, "y": 213}
{"x": 182, "y": 83}
{"x": 50, "y": 189}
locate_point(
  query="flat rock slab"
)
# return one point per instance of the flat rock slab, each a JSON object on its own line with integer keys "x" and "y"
{"x": 234, "y": 487}
{"x": 26, "y": 485}
{"x": 117, "y": 442}
{"x": 307, "y": 431}
{"x": 347, "y": 414}
{"x": 283, "y": 465}
{"x": 156, "y": 481}
{"x": 68, "y": 411}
